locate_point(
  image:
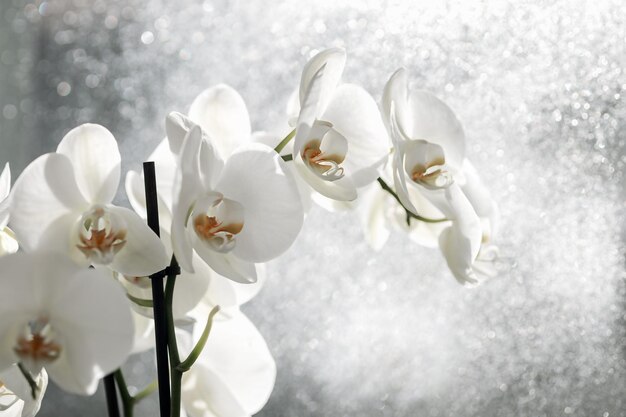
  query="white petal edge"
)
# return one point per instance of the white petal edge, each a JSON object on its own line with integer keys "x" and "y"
{"x": 334, "y": 60}
{"x": 273, "y": 213}
{"x": 94, "y": 154}
{"x": 144, "y": 253}
{"x": 186, "y": 189}
{"x": 45, "y": 191}
{"x": 222, "y": 114}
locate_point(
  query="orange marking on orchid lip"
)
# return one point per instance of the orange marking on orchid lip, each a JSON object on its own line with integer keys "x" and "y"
{"x": 325, "y": 164}
{"x": 208, "y": 226}
{"x": 37, "y": 348}
{"x": 425, "y": 173}
{"x": 421, "y": 175}
{"x": 103, "y": 242}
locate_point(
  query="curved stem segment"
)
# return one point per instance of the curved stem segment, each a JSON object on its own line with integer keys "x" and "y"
{"x": 176, "y": 375}
{"x": 195, "y": 353}
{"x": 285, "y": 141}
{"x": 129, "y": 401}
{"x": 409, "y": 214}
{"x": 29, "y": 378}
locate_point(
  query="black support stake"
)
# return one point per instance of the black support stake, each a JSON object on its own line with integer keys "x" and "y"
{"x": 158, "y": 297}
{"x": 111, "y": 396}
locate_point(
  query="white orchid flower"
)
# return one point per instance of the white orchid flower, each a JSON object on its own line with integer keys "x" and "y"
{"x": 74, "y": 322}
{"x": 62, "y": 202}
{"x": 16, "y": 398}
{"x": 8, "y": 244}
{"x": 234, "y": 214}
{"x": 235, "y": 373}
{"x": 203, "y": 286}
{"x": 340, "y": 142}
{"x": 429, "y": 151}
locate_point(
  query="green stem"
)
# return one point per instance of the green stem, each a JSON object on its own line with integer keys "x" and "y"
{"x": 141, "y": 302}
{"x": 29, "y": 378}
{"x": 409, "y": 214}
{"x": 128, "y": 402}
{"x": 285, "y": 141}
{"x": 149, "y": 389}
{"x": 176, "y": 376}
{"x": 287, "y": 158}
{"x": 195, "y": 353}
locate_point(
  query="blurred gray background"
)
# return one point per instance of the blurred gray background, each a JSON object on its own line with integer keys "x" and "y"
{"x": 541, "y": 91}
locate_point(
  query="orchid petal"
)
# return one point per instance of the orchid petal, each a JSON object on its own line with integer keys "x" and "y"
{"x": 342, "y": 189}
{"x": 226, "y": 264}
{"x": 374, "y": 203}
{"x": 210, "y": 165}
{"x": 460, "y": 243}
{"x": 222, "y": 114}
{"x": 94, "y": 154}
{"x": 87, "y": 312}
{"x": 476, "y": 191}
{"x": 435, "y": 122}
{"x": 355, "y": 115}
{"x": 333, "y": 60}
{"x": 165, "y": 171}
{"x": 8, "y": 243}
{"x": 14, "y": 380}
{"x": 5, "y": 188}
{"x": 135, "y": 192}
{"x": 308, "y": 111}
{"x": 186, "y": 188}
{"x": 239, "y": 355}
{"x": 144, "y": 253}
{"x": 45, "y": 192}
{"x": 273, "y": 213}
{"x": 204, "y": 394}
{"x": 177, "y": 126}
{"x": 97, "y": 326}
{"x": 144, "y": 333}
{"x": 229, "y": 294}
{"x": 395, "y": 101}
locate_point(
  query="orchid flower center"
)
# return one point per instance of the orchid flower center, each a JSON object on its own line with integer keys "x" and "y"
{"x": 425, "y": 164}
{"x": 217, "y": 221}
{"x": 325, "y": 151}
{"x": 433, "y": 174}
{"x": 101, "y": 235}
{"x": 36, "y": 346}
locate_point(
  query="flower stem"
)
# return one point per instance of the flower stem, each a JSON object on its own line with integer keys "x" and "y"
{"x": 285, "y": 141}
{"x": 175, "y": 374}
{"x": 409, "y": 214}
{"x": 141, "y": 302}
{"x": 149, "y": 389}
{"x": 128, "y": 401}
{"x": 29, "y": 378}
{"x": 193, "y": 356}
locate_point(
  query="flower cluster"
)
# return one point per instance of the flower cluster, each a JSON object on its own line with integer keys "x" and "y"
{"x": 229, "y": 200}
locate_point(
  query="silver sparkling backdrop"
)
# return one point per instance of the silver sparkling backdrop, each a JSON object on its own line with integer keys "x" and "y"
{"x": 541, "y": 90}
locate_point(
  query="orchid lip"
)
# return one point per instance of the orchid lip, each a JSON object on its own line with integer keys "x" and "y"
{"x": 327, "y": 166}
{"x": 36, "y": 346}
{"x": 102, "y": 234}
{"x": 217, "y": 221}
